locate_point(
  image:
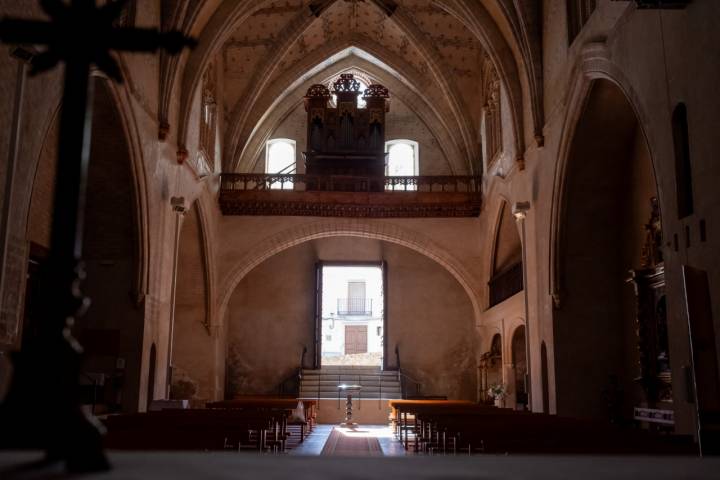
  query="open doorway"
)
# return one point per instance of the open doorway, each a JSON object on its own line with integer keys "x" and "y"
{"x": 352, "y": 314}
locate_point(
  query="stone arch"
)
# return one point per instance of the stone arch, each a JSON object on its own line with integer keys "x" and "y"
{"x": 505, "y": 247}
{"x": 394, "y": 70}
{"x": 432, "y": 118}
{"x": 113, "y": 246}
{"x": 483, "y": 25}
{"x": 123, "y": 104}
{"x": 232, "y": 13}
{"x": 594, "y": 64}
{"x": 209, "y": 258}
{"x": 346, "y": 228}
{"x": 603, "y": 200}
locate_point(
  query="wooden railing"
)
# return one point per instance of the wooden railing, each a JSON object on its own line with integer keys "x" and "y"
{"x": 506, "y": 284}
{"x": 354, "y": 306}
{"x": 350, "y": 196}
{"x": 300, "y": 182}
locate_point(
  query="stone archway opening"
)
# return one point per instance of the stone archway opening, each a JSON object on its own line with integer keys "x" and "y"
{"x": 609, "y": 197}
{"x": 430, "y": 318}
{"x": 112, "y": 330}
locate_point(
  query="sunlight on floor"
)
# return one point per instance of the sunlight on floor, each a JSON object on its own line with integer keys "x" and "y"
{"x": 362, "y": 432}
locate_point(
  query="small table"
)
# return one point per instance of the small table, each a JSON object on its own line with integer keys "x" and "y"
{"x": 349, "y": 389}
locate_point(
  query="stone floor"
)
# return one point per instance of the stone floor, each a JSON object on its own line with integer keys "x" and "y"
{"x": 222, "y": 466}
{"x": 315, "y": 442}
{"x": 305, "y": 463}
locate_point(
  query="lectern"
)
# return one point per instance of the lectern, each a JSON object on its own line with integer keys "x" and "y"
{"x": 349, "y": 389}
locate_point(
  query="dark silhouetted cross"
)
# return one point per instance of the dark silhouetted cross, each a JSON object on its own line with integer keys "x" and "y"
{"x": 42, "y": 408}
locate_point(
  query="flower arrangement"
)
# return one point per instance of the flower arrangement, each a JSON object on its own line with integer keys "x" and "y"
{"x": 497, "y": 391}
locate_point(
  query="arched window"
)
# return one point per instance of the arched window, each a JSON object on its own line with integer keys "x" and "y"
{"x": 683, "y": 169}
{"x": 280, "y": 158}
{"x": 402, "y": 161}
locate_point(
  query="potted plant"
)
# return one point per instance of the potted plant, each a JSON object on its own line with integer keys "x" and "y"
{"x": 498, "y": 392}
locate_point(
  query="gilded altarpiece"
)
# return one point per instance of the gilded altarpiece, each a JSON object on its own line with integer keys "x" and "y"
{"x": 651, "y": 317}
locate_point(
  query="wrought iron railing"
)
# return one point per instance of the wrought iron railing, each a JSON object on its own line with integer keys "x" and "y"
{"x": 300, "y": 182}
{"x": 354, "y": 306}
{"x": 506, "y": 284}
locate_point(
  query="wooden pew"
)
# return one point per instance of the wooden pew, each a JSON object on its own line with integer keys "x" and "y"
{"x": 403, "y": 412}
{"x": 454, "y": 426}
{"x": 264, "y": 403}
{"x": 191, "y": 430}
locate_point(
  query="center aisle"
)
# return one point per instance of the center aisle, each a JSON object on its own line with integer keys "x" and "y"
{"x": 373, "y": 436}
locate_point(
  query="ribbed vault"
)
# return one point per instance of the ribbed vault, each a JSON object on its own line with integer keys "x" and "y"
{"x": 431, "y": 46}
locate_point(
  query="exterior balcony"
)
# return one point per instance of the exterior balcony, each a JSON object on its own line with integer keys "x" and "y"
{"x": 350, "y": 196}
{"x": 355, "y": 306}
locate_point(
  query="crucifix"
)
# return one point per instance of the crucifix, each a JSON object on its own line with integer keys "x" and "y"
{"x": 42, "y": 408}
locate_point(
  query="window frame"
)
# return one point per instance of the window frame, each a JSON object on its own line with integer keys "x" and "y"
{"x": 416, "y": 155}
{"x": 266, "y": 170}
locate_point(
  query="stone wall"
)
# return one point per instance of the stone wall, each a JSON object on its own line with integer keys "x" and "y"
{"x": 430, "y": 319}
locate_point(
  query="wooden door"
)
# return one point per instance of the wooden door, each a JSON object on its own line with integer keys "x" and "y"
{"x": 704, "y": 359}
{"x": 355, "y": 339}
{"x": 317, "y": 337}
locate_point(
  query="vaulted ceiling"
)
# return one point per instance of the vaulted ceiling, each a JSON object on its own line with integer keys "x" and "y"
{"x": 431, "y": 54}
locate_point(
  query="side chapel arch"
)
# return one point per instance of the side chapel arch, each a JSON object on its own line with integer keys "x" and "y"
{"x": 605, "y": 199}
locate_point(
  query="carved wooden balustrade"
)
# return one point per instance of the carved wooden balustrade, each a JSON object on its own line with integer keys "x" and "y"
{"x": 349, "y": 196}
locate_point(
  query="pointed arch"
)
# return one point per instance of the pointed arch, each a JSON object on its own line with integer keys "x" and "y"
{"x": 245, "y": 113}
{"x": 594, "y": 63}
{"x": 344, "y": 228}
{"x": 274, "y": 114}
{"x": 231, "y": 13}
{"x": 481, "y": 23}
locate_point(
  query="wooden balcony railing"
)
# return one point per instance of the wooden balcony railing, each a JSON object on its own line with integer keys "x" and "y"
{"x": 299, "y": 182}
{"x": 350, "y": 196}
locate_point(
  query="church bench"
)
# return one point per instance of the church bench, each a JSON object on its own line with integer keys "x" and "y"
{"x": 524, "y": 432}
{"x": 262, "y": 403}
{"x": 195, "y": 430}
{"x": 452, "y": 426}
{"x": 404, "y": 411}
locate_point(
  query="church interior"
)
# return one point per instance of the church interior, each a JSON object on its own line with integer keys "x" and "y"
{"x": 365, "y": 228}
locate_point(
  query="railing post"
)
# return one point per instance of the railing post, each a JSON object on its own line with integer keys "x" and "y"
{"x": 380, "y": 394}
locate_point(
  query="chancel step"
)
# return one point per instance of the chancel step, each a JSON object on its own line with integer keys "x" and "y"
{"x": 374, "y": 382}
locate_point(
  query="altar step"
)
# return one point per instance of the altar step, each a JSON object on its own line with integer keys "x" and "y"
{"x": 374, "y": 383}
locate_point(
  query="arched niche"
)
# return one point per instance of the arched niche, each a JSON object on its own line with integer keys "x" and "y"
{"x": 606, "y": 201}
{"x": 506, "y": 261}
{"x": 519, "y": 367}
{"x": 112, "y": 330}
{"x": 491, "y": 368}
